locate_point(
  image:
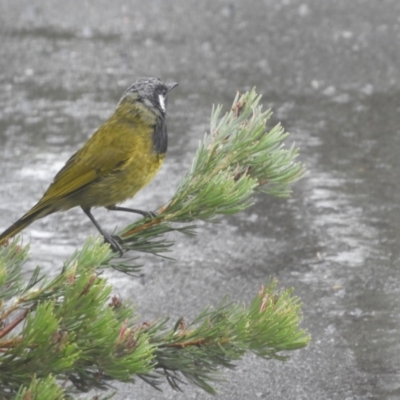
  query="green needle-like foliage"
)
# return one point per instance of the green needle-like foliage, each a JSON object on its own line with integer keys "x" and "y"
{"x": 237, "y": 159}
{"x": 76, "y": 335}
{"x": 71, "y": 334}
{"x": 46, "y": 388}
{"x": 69, "y": 329}
{"x": 218, "y": 337}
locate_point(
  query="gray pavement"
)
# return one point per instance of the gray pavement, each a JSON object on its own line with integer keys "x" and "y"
{"x": 330, "y": 72}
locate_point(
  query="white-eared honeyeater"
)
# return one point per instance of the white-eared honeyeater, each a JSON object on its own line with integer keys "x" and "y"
{"x": 121, "y": 157}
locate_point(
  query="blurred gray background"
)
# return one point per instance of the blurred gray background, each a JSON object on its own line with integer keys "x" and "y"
{"x": 330, "y": 72}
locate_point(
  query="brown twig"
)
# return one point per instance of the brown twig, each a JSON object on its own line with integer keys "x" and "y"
{"x": 198, "y": 342}
{"x": 142, "y": 227}
{"x": 13, "y": 324}
{"x": 5, "y": 344}
{"x": 88, "y": 285}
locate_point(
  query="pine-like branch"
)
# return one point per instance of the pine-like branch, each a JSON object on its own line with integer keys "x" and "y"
{"x": 65, "y": 333}
{"x": 218, "y": 337}
{"x": 74, "y": 333}
{"x": 69, "y": 329}
{"x": 237, "y": 159}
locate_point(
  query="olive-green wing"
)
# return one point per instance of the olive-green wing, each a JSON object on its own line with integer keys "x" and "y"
{"x": 82, "y": 171}
{"x": 97, "y": 158}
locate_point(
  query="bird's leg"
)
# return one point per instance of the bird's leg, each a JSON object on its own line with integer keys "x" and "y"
{"x": 114, "y": 241}
{"x": 150, "y": 214}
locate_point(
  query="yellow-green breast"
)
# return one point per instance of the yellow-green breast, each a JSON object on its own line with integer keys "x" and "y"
{"x": 113, "y": 165}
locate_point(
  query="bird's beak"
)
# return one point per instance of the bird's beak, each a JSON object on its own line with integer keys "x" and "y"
{"x": 170, "y": 86}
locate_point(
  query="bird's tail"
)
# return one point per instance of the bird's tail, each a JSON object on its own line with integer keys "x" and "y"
{"x": 35, "y": 213}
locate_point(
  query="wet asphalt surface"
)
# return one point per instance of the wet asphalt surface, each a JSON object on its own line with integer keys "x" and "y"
{"x": 329, "y": 70}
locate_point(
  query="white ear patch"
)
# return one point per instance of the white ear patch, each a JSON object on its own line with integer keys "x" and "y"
{"x": 161, "y": 99}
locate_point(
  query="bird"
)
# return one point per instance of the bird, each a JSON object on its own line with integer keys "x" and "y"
{"x": 120, "y": 158}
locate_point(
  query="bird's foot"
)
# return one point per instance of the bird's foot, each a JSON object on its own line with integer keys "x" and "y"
{"x": 115, "y": 243}
{"x": 150, "y": 214}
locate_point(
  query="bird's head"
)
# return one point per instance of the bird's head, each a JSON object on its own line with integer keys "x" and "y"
{"x": 151, "y": 92}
